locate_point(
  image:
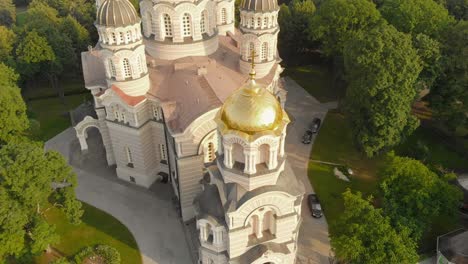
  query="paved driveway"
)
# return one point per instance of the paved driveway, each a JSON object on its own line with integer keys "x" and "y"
{"x": 314, "y": 244}
{"x": 149, "y": 215}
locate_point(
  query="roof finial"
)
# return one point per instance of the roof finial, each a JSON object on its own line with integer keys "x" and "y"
{"x": 252, "y": 70}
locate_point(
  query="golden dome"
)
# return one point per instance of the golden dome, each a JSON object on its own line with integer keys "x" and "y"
{"x": 252, "y": 109}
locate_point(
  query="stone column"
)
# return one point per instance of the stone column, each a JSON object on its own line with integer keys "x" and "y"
{"x": 250, "y": 159}
{"x": 273, "y": 159}
{"x": 203, "y": 235}
{"x": 228, "y": 156}
{"x": 282, "y": 145}
{"x": 259, "y": 232}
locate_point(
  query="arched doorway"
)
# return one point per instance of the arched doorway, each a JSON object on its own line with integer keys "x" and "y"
{"x": 91, "y": 151}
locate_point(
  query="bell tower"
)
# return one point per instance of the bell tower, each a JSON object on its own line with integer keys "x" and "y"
{"x": 249, "y": 209}
{"x": 259, "y": 28}
{"x": 123, "y": 51}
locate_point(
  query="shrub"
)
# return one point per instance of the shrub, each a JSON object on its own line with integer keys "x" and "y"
{"x": 108, "y": 253}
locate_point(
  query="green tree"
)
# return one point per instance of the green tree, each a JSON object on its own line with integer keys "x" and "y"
{"x": 458, "y": 8}
{"x": 416, "y": 16}
{"x": 381, "y": 68}
{"x": 449, "y": 95}
{"x": 363, "y": 235}
{"x": 82, "y": 10}
{"x": 413, "y": 195}
{"x": 13, "y": 119}
{"x": 78, "y": 35}
{"x": 336, "y": 21}
{"x": 33, "y": 53}
{"x": 294, "y": 20}
{"x": 45, "y": 21}
{"x": 7, "y": 13}
{"x": 7, "y": 41}
{"x": 31, "y": 182}
{"x": 428, "y": 50}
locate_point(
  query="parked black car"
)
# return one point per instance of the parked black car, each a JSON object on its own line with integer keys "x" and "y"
{"x": 314, "y": 205}
{"x": 307, "y": 138}
{"x": 314, "y": 127}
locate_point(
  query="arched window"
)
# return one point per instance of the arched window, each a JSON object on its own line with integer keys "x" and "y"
{"x": 128, "y": 36}
{"x": 116, "y": 113}
{"x": 203, "y": 21}
{"x": 167, "y": 25}
{"x": 252, "y": 22}
{"x": 209, "y": 234}
{"x": 186, "y": 25}
{"x": 264, "y": 54}
{"x": 128, "y": 153}
{"x": 265, "y": 22}
{"x": 259, "y": 22}
{"x": 250, "y": 50}
{"x": 223, "y": 16}
{"x": 156, "y": 112}
{"x": 140, "y": 65}
{"x": 162, "y": 151}
{"x": 210, "y": 152}
{"x": 126, "y": 68}
{"x": 264, "y": 153}
{"x": 237, "y": 153}
{"x": 269, "y": 223}
{"x": 114, "y": 38}
{"x": 112, "y": 68}
{"x": 122, "y": 37}
{"x": 253, "y": 225}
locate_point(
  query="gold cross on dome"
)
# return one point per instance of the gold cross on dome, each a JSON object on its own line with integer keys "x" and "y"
{"x": 252, "y": 58}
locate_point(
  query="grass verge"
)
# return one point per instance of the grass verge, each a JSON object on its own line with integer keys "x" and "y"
{"x": 97, "y": 227}
{"x": 316, "y": 80}
{"x": 52, "y": 114}
{"x": 334, "y": 144}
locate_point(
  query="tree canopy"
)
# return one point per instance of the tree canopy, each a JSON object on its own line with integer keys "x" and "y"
{"x": 7, "y": 13}
{"x": 381, "y": 67}
{"x": 416, "y": 16}
{"x": 33, "y": 54}
{"x": 336, "y": 21}
{"x": 7, "y": 42}
{"x": 31, "y": 181}
{"x": 449, "y": 95}
{"x": 13, "y": 119}
{"x": 293, "y": 20}
{"x": 364, "y": 235}
{"x": 413, "y": 195}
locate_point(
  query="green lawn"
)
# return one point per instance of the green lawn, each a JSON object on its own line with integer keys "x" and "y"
{"x": 334, "y": 144}
{"x": 21, "y": 15}
{"x": 52, "y": 115}
{"x": 315, "y": 79}
{"x": 71, "y": 84}
{"x": 439, "y": 152}
{"x": 97, "y": 227}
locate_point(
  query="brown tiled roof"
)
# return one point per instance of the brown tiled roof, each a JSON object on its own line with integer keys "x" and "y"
{"x": 128, "y": 99}
{"x": 194, "y": 85}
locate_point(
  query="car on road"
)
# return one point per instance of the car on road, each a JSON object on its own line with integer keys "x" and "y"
{"x": 314, "y": 205}
{"x": 307, "y": 138}
{"x": 314, "y": 127}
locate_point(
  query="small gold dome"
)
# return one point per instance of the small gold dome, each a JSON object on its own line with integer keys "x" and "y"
{"x": 252, "y": 109}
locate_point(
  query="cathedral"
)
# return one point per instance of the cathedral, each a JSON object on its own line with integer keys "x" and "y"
{"x": 181, "y": 95}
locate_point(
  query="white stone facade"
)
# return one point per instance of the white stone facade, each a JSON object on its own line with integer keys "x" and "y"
{"x": 156, "y": 96}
